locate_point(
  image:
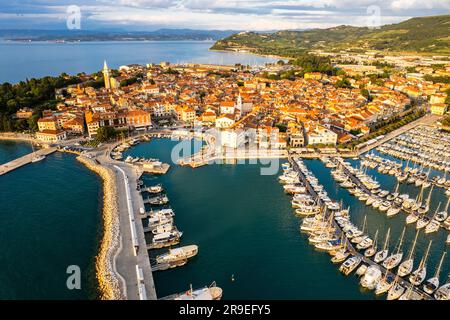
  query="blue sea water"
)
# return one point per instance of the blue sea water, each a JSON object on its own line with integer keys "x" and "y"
{"x": 50, "y": 214}
{"x": 19, "y": 61}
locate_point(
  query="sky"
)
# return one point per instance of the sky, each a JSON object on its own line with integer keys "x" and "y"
{"x": 255, "y": 15}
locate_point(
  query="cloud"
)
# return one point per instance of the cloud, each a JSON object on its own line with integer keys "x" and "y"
{"x": 217, "y": 14}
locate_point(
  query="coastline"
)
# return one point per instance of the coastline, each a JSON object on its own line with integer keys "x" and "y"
{"x": 105, "y": 270}
{"x": 252, "y": 53}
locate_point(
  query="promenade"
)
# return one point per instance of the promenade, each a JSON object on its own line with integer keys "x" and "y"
{"x": 132, "y": 261}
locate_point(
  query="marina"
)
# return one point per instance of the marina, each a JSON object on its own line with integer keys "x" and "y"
{"x": 338, "y": 218}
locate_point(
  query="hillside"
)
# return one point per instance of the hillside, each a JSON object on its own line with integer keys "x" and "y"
{"x": 422, "y": 35}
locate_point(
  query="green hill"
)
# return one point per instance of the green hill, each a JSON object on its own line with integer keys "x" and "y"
{"x": 421, "y": 35}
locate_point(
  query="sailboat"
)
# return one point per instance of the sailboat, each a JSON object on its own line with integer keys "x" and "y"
{"x": 382, "y": 255}
{"x": 385, "y": 283}
{"x": 423, "y": 209}
{"x": 443, "y": 293}
{"x": 396, "y": 290}
{"x": 433, "y": 284}
{"x": 394, "y": 260}
{"x": 406, "y": 266}
{"x": 35, "y": 156}
{"x": 433, "y": 225}
{"x": 361, "y": 237}
{"x": 418, "y": 276}
{"x": 370, "y": 252}
{"x": 395, "y": 194}
{"x": 442, "y": 216}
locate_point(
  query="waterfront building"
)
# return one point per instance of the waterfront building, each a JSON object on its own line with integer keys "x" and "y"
{"x": 51, "y": 135}
{"x": 138, "y": 119}
{"x": 321, "y": 135}
{"x": 48, "y": 123}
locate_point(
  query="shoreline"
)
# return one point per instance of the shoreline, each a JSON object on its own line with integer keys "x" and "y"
{"x": 251, "y": 53}
{"x": 106, "y": 275}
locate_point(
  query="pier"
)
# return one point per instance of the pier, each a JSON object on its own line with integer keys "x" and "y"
{"x": 353, "y": 251}
{"x": 24, "y": 160}
{"x": 133, "y": 261}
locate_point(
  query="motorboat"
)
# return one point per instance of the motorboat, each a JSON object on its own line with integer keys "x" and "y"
{"x": 371, "y": 277}
{"x": 207, "y": 293}
{"x": 177, "y": 255}
{"x": 361, "y": 270}
{"x": 350, "y": 264}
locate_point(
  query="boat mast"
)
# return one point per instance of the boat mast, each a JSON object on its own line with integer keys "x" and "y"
{"x": 386, "y": 241}
{"x": 413, "y": 246}
{"x": 375, "y": 241}
{"x": 438, "y": 270}
{"x": 424, "y": 259}
{"x": 429, "y": 196}
{"x": 401, "y": 241}
{"x": 446, "y": 207}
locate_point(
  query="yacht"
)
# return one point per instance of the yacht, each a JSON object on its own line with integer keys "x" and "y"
{"x": 418, "y": 275}
{"x": 168, "y": 227}
{"x": 442, "y": 215}
{"x": 155, "y": 189}
{"x": 392, "y": 211}
{"x": 394, "y": 260}
{"x": 35, "y": 157}
{"x": 432, "y": 284}
{"x": 340, "y": 255}
{"x": 412, "y": 218}
{"x": 177, "y": 255}
{"x": 382, "y": 255}
{"x": 350, "y": 264}
{"x": 207, "y": 293}
{"x": 432, "y": 227}
{"x": 371, "y": 277}
{"x": 385, "y": 206}
{"x": 443, "y": 293}
{"x": 396, "y": 291}
{"x": 372, "y": 249}
{"x": 406, "y": 266}
{"x": 364, "y": 244}
{"x": 385, "y": 284}
{"x": 166, "y": 239}
{"x": 423, "y": 222}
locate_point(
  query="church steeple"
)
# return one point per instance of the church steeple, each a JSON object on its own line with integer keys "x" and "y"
{"x": 106, "y": 76}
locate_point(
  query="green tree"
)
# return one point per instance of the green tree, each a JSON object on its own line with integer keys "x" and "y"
{"x": 105, "y": 133}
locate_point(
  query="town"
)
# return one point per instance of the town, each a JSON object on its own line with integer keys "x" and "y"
{"x": 312, "y": 111}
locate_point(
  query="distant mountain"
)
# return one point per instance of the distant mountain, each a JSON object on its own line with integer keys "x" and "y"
{"x": 422, "y": 35}
{"x": 93, "y": 35}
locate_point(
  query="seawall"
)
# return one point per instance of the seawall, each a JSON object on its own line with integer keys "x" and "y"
{"x": 110, "y": 284}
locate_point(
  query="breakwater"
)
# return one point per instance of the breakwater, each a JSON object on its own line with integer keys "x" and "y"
{"x": 109, "y": 285}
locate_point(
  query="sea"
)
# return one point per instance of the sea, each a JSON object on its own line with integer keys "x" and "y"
{"x": 249, "y": 239}
{"x": 24, "y": 60}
